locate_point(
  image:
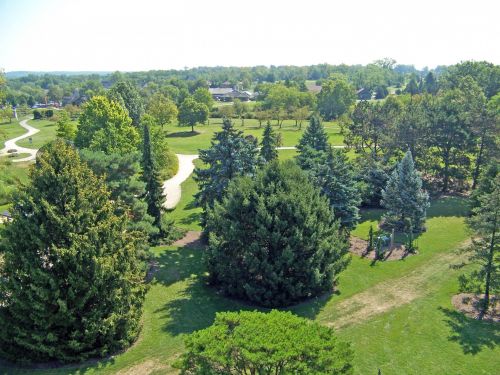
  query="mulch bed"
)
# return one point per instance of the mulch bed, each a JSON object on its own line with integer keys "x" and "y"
{"x": 359, "y": 246}
{"x": 469, "y": 304}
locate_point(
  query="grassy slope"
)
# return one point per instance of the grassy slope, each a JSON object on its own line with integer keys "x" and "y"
{"x": 9, "y": 131}
{"x": 414, "y": 332}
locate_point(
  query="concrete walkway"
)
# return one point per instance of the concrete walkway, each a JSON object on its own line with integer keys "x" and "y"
{"x": 11, "y": 143}
{"x": 172, "y": 187}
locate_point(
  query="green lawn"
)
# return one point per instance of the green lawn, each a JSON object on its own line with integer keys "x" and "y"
{"x": 183, "y": 141}
{"x": 46, "y": 134}
{"x": 9, "y": 131}
{"x": 11, "y": 175}
{"x": 397, "y": 315}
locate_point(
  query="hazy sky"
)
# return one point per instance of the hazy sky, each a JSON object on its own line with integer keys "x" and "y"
{"x": 152, "y": 34}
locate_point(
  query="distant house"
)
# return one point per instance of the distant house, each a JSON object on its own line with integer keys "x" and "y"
{"x": 364, "y": 94}
{"x": 75, "y": 98}
{"x": 226, "y": 94}
{"x": 5, "y": 216}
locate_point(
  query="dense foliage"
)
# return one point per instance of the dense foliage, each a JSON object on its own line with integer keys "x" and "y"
{"x": 105, "y": 126}
{"x": 273, "y": 239}
{"x": 72, "y": 285}
{"x": 230, "y": 156}
{"x": 276, "y": 343}
{"x": 485, "y": 223}
{"x": 403, "y": 197}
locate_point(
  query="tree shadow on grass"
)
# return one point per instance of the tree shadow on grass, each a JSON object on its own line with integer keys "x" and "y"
{"x": 193, "y": 305}
{"x": 471, "y": 334}
{"x": 448, "y": 206}
{"x": 184, "y": 134}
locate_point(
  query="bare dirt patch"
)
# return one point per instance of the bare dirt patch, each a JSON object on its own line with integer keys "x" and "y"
{"x": 192, "y": 239}
{"x": 359, "y": 247}
{"x": 144, "y": 368}
{"x": 470, "y": 305}
{"x": 390, "y": 294}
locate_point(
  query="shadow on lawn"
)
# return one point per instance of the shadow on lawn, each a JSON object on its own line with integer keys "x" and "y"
{"x": 184, "y": 134}
{"x": 471, "y": 334}
{"x": 194, "y": 306}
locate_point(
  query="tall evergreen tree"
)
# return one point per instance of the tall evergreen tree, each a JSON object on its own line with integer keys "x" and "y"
{"x": 230, "y": 156}
{"x": 72, "y": 285}
{"x": 485, "y": 222}
{"x": 404, "y": 197}
{"x": 269, "y": 143}
{"x": 151, "y": 176}
{"x": 273, "y": 238}
{"x": 313, "y": 144}
{"x": 335, "y": 177}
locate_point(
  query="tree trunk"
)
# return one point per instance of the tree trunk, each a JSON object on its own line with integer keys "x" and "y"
{"x": 192, "y": 128}
{"x": 486, "y": 300}
{"x": 479, "y": 161}
{"x": 446, "y": 176}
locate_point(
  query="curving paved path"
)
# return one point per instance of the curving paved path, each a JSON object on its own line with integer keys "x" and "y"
{"x": 11, "y": 143}
{"x": 172, "y": 187}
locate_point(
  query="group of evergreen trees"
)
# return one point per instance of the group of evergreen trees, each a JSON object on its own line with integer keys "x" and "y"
{"x": 73, "y": 272}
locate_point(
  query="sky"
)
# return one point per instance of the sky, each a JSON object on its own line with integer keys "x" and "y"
{"x": 110, "y": 35}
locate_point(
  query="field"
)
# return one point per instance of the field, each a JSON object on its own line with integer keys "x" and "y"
{"x": 397, "y": 314}
{"x": 183, "y": 141}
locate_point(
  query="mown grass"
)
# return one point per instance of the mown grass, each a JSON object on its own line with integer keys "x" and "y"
{"x": 9, "y": 131}
{"x": 422, "y": 335}
{"x": 46, "y": 134}
{"x": 183, "y": 141}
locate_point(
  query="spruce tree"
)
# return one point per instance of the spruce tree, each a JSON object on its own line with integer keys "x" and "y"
{"x": 72, "y": 285}
{"x": 269, "y": 143}
{"x": 273, "y": 239}
{"x": 230, "y": 156}
{"x": 154, "y": 191}
{"x": 313, "y": 144}
{"x": 335, "y": 177}
{"x": 404, "y": 198}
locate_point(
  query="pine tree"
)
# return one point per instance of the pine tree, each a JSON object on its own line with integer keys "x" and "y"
{"x": 269, "y": 143}
{"x": 335, "y": 177}
{"x": 274, "y": 239}
{"x": 313, "y": 144}
{"x": 72, "y": 285}
{"x": 485, "y": 222}
{"x": 230, "y": 156}
{"x": 154, "y": 191}
{"x": 404, "y": 197}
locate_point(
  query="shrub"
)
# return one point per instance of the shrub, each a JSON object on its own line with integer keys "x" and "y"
{"x": 273, "y": 239}
{"x": 37, "y": 115}
{"x": 258, "y": 343}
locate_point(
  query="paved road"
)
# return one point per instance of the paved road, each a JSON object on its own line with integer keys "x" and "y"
{"x": 11, "y": 143}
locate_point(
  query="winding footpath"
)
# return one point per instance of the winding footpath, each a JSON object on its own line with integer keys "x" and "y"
{"x": 172, "y": 187}
{"x": 11, "y": 144}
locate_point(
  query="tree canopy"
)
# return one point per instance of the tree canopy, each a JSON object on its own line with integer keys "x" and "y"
{"x": 274, "y": 343}
{"x": 105, "y": 126}
{"x": 72, "y": 284}
{"x": 273, "y": 238}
